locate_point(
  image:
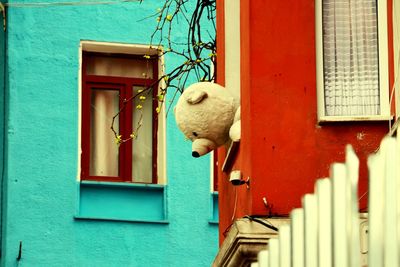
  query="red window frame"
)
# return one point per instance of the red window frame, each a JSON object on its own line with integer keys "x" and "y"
{"x": 124, "y": 86}
{"x": 215, "y": 170}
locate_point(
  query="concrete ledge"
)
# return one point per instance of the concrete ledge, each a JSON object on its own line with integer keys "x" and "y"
{"x": 121, "y": 202}
{"x": 244, "y": 240}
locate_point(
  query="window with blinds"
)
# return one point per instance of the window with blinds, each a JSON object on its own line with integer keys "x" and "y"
{"x": 352, "y": 59}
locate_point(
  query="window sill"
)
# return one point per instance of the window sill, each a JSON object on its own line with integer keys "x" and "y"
{"x": 214, "y": 209}
{"x": 325, "y": 119}
{"x": 118, "y": 220}
{"x": 121, "y": 202}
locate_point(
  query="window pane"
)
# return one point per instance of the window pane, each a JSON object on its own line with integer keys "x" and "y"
{"x": 119, "y": 67}
{"x": 103, "y": 150}
{"x": 142, "y": 147}
{"x": 351, "y": 73}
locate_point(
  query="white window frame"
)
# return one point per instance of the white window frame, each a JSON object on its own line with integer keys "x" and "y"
{"x": 232, "y": 46}
{"x": 383, "y": 68}
{"x": 129, "y": 49}
{"x": 396, "y": 48}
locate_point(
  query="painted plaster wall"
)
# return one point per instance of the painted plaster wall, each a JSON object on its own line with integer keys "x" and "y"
{"x": 42, "y": 152}
{"x": 2, "y": 112}
{"x": 283, "y": 149}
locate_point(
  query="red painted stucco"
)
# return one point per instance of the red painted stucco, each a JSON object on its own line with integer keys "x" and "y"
{"x": 283, "y": 149}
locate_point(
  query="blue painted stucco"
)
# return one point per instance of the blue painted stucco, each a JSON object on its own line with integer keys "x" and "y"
{"x": 3, "y": 76}
{"x": 41, "y": 195}
{"x": 122, "y": 201}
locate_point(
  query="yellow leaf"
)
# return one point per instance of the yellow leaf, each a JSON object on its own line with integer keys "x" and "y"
{"x": 118, "y": 139}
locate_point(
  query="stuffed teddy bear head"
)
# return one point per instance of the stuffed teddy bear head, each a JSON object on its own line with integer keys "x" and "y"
{"x": 204, "y": 113}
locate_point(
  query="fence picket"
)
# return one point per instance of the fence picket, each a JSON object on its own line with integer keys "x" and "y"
{"x": 285, "y": 254}
{"x": 324, "y": 202}
{"x": 297, "y": 221}
{"x": 398, "y": 196}
{"x": 310, "y": 230}
{"x": 340, "y": 248}
{"x": 353, "y": 218}
{"x": 390, "y": 253}
{"x": 273, "y": 252}
{"x": 326, "y": 231}
{"x": 375, "y": 208}
{"x": 263, "y": 258}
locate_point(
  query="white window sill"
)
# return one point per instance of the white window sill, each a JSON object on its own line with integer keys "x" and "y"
{"x": 325, "y": 119}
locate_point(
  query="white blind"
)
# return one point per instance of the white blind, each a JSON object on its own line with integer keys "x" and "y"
{"x": 351, "y": 70}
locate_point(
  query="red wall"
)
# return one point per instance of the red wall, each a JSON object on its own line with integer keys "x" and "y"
{"x": 283, "y": 149}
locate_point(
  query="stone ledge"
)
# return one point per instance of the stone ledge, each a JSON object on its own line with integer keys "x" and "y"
{"x": 244, "y": 240}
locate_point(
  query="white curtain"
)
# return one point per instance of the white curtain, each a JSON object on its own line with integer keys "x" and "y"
{"x": 119, "y": 67}
{"x": 142, "y": 147}
{"x": 351, "y": 73}
{"x": 103, "y": 150}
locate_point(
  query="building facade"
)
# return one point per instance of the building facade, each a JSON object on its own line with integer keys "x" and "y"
{"x": 70, "y": 195}
{"x": 296, "y": 82}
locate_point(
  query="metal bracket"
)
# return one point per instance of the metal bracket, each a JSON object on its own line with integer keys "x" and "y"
{"x": 230, "y": 156}
{"x": 394, "y": 128}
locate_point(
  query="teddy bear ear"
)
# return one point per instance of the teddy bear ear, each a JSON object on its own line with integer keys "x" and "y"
{"x": 195, "y": 96}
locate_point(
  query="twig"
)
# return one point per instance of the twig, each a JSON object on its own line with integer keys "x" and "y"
{"x": 195, "y": 59}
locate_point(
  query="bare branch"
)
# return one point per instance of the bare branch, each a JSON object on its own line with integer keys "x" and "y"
{"x": 197, "y": 53}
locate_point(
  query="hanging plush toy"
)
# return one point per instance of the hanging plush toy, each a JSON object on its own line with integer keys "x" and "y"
{"x": 208, "y": 115}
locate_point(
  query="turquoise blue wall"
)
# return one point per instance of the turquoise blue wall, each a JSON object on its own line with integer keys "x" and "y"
{"x": 42, "y": 133}
{"x": 2, "y": 112}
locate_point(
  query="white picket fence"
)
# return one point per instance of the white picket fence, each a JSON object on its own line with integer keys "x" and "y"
{"x": 325, "y": 232}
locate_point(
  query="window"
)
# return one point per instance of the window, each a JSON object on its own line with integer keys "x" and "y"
{"x": 214, "y": 171}
{"x": 352, "y": 60}
{"x": 214, "y": 218}
{"x": 107, "y": 79}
